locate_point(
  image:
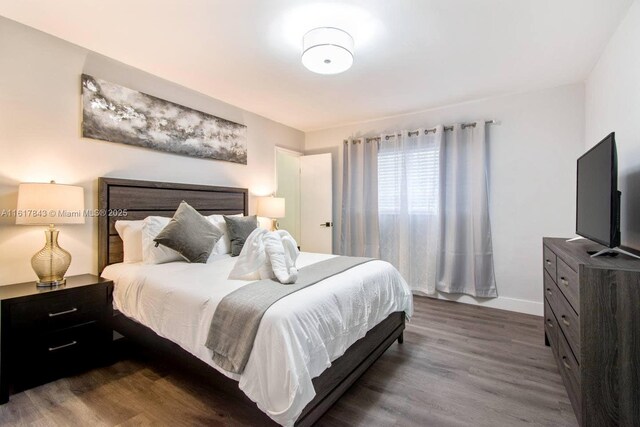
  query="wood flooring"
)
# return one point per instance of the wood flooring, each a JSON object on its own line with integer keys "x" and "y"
{"x": 460, "y": 365}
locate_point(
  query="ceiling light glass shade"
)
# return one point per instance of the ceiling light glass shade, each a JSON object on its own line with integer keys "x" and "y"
{"x": 327, "y": 50}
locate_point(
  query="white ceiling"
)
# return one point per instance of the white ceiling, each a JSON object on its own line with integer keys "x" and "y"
{"x": 409, "y": 55}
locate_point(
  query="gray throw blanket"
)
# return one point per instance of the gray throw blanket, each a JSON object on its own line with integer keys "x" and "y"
{"x": 236, "y": 319}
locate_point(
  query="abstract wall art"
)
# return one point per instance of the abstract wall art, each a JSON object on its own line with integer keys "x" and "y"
{"x": 114, "y": 113}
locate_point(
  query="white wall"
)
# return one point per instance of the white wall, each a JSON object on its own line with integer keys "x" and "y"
{"x": 533, "y": 152}
{"x": 613, "y": 104}
{"x": 40, "y": 115}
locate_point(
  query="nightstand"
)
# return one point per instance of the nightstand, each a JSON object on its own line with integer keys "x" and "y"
{"x": 46, "y": 334}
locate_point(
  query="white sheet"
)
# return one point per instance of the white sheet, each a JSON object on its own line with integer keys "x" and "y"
{"x": 298, "y": 337}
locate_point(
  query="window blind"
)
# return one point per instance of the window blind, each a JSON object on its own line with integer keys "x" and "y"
{"x": 413, "y": 171}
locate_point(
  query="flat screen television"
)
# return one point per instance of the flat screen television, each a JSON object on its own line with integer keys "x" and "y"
{"x": 598, "y": 198}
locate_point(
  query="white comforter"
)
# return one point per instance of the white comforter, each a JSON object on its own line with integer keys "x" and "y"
{"x": 298, "y": 336}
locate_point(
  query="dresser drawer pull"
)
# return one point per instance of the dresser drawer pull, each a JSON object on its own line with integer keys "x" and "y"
{"x": 564, "y": 362}
{"x": 550, "y": 323}
{"x": 564, "y": 281}
{"x": 63, "y": 346}
{"x": 548, "y": 261}
{"x": 565, "y": 321}
{"x": 60, "y": 313}
{"x": 549, "y": 291}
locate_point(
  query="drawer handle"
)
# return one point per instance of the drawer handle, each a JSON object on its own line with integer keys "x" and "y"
{"x": 549, "y": 291}
{"x": 548, "y": 261}
{"x": 60, "y": 313}
{"x": 564, "y": 362}
{"x": 550, "y": 323}
{"x": 63, "y": 346}
{"x": 565, "y": 321}
{"x": 564, "y": 281}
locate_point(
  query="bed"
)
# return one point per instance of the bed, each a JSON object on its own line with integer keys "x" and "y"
{"x": 181, "y": 301}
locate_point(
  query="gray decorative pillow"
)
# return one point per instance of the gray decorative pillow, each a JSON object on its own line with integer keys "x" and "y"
{"x": 239, "y": 228}
{"x": 190, "y": 234}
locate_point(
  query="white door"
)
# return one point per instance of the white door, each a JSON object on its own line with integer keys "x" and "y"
{"x": 316, "y": 204}
{"x": 288, "y": 187}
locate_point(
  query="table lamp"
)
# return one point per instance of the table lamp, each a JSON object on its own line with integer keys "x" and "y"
{"x": 50, "y": 204}
{"x": 271, "y": 207}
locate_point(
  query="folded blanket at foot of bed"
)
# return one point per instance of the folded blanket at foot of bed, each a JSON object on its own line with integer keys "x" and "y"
{"x": 237, "y": 317}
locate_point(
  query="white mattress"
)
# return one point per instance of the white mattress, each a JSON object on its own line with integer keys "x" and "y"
{"x": 298, "y": 337}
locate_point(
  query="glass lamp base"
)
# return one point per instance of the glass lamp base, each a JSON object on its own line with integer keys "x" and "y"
{"x": 51, "y": 262}
{"x": 51, "y": 284}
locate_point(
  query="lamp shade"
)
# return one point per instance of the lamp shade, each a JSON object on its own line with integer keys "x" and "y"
{"x": 327, "y": 50}
{"x": 271, "y": 207}
{"x": 43, "y": 204}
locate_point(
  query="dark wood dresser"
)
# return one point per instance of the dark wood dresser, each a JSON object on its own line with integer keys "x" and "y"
{"x": 592, "y": 323}
{"x": 46, "y": 334}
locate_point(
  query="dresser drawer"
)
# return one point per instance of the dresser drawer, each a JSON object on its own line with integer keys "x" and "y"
{"x": 567, "y": 319}
{"x": 549, "y": 262}
{"x": 570, "y": 372}
{"x": 59, "y": 311}
{"x": 551, "y": 291}
{"x": 568, "y": 283}
{"x": 550, "y": 326}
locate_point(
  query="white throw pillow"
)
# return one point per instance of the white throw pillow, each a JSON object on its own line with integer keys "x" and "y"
{"x": 151, "y": 254}
{"x": 131, "y": 234}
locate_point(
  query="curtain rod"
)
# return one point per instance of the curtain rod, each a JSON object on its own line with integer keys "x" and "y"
{"x": 426, "y": 131}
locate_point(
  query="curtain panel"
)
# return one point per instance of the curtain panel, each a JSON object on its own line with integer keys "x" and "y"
{"x": 409, "y": 205}
{"x": 420, "y": 201}
{"x": 359, "y": 230}
{"x": 465, "y": 264}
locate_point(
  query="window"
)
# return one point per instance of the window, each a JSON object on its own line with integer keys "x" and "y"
{"x": 408, "y": 179}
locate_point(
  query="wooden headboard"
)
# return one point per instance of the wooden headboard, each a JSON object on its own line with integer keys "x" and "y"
{"x": 134, "y": 200}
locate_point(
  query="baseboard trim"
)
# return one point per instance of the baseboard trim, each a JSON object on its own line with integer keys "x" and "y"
{"x": 501, "y": 303}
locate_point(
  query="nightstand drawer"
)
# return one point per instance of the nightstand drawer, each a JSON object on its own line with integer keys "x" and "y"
{"x": 79, "y": 339}
{"x": 59, "y": 353}
{"x": 60, "y": 310}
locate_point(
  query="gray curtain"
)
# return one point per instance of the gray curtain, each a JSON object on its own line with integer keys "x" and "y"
{"x": 408, "y": 205}
{"x": 465, "y": 262}
{"x": 420, "y": 201}
{"x": 359, "y": 232}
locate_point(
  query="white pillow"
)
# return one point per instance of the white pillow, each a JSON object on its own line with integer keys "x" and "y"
{"x": 151, "y": 254}
{"x": 131, "y": 234}
{"x": 222, "y": 246}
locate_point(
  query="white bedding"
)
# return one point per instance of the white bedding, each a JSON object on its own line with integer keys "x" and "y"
{"x": 298, "y": 336}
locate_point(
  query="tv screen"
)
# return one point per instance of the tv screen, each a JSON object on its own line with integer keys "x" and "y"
{"x": 597, "y": 216}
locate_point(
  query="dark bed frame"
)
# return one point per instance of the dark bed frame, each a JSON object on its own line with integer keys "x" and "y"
{"x": 140, "y": 199}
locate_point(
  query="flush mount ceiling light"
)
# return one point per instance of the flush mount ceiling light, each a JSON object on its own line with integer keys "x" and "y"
{"x": 327, "y": 50}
